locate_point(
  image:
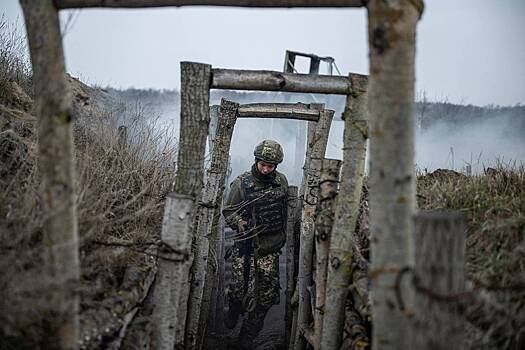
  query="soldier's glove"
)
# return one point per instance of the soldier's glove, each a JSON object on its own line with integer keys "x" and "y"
{"x": 241, "y": 225}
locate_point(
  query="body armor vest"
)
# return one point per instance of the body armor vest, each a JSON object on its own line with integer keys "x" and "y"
{"x": 267, "y": 201}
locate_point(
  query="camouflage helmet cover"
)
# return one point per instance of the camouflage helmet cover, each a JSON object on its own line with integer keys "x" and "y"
{"x": 269, "y": 151}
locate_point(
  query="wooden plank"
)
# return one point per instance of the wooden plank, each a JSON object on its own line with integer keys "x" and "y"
{"x": 172, "y": 285}
{"x": 56, "y": 168}
{"x": 297, "y": 111}
{"x": 66, "y": 4}
{"x": 235, "y": 79}
{"x": 440, "y": 268}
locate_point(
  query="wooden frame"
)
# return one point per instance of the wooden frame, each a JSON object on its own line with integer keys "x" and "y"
{"x": 392, "y": 47}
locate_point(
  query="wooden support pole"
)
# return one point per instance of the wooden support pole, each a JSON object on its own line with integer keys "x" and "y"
{"x": 172, "y": 285}
{"x": 317, "y": 142}
{"x": 328, "y": 187}
{"x": 290, "y": 255}
{"x": 342, "y": 245}
{"x": 65, "y": 4}
{"x": 194, "y": 122}
{"x": 297, "y": 111}
{"x": 56, "y": 167}
{"x": 170, "y": 313}
{"x": 439, "y": 267}
{"x": 203, "y": 269}
{"x": 277, "y": 81}
{"x": 392, "y": 40}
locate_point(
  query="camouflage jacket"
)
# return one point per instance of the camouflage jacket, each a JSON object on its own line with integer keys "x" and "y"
{"x": 263, "y": 206}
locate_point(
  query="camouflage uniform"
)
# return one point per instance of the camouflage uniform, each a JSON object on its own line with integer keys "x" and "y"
{"x": 261, "y": 201}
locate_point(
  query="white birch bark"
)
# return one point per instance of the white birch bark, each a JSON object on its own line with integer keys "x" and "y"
{"x": 56, "y": 166}
{"x": 316, "y": 148}
{"x": 172, "y": 284}
{"x": 203, "y": 270}
{"x": 342, "y": 245}
{"x": 392, "y": 39}
{"x": 328, "y": 187}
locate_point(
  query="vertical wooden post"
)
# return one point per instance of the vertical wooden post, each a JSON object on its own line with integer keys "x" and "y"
{"x": 170, "y": 311}
{"x": 214, "y": 120}
{"x": 194, "y": 123}
{"x": 203, "y": 269}
{"x": 290, "y": 264}
{"x": 328, "y": 187}
{"x": 172, "y": 285}
{"x": 317, "y": 142}
{"x": 342, "y": 245}
{"x": 56, "y": 166}
{"x": 439, "y": 267}
{"x": 392, "y": 39}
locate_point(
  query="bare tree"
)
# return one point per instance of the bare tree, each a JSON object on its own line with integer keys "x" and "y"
{"x": 392, "y": 38}
{"x": 55, "y": 164}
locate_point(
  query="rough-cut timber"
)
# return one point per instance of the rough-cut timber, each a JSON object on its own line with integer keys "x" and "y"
{"x": 65, "y": 4}
{"x": 328, "y": 186}
{"x": 297, "y": 111}
{"x": 342, "y": 245}
{"x": 392, "y": 39}
{"x": 172, "y": 283}
{"x": 56, "y": 167}
{"x": 194, "y": 122}
{"x": 277, "y": 81}
{"x": 317, "y": 142}
{"x": 203, "y": 269}
{"x": 439, "y": 267}
{"x": 290, "y": 254}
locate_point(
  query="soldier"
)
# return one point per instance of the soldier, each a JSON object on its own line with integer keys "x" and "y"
{"x": 256, "y": 211}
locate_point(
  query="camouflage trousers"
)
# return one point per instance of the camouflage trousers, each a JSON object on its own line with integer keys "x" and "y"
{"x": 264, "y": 295}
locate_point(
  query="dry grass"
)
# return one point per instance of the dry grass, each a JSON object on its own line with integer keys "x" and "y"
{"x": 495, "y": 206}
{"x": 120, "y": 188}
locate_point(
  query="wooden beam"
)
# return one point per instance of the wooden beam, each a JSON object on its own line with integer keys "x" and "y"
{"x": 67, "y": 4}
{"x": 236, "y": 79}
{"x": 297, "y": 111}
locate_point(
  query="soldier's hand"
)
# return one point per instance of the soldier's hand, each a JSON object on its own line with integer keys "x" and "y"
{"x": 241, "y": 224}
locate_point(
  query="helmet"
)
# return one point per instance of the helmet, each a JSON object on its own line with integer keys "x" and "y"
{"x": 269, "y": 151}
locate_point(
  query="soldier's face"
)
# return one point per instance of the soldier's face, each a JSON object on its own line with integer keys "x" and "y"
{"x": 265, "y": 168}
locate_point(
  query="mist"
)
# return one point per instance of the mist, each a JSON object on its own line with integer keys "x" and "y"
{"x": 447, "y": 135}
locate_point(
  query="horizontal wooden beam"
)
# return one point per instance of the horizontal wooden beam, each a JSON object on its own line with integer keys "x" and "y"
{"x": 296, "y": 111}
{"x": 67, "y": 4}
{"x": 233, "y": 79}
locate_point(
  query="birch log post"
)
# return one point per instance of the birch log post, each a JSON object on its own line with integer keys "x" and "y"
{"x": 56, "y": 166}
{"x": 203, "y": 269}
{"x": 170, "y": 311}
{"x": 328, "y": 187}
{"x": 317, "y": 142}
{"x": 439, "y": 267}
{"x": 290, "y": 255}
{"x": 342, "y": 245}
{"x": 171, "y": 285}
{"x": 392, "y": 39}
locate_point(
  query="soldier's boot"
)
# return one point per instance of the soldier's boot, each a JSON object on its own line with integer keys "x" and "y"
{"x": 251, "y": 327}
{"x": 234, "y": 311}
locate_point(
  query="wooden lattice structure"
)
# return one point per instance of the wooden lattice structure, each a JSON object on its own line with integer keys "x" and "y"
{"x": 391, "y": 100}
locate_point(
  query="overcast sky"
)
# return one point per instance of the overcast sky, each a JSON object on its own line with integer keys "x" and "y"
{"x": 469, "y": 51}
